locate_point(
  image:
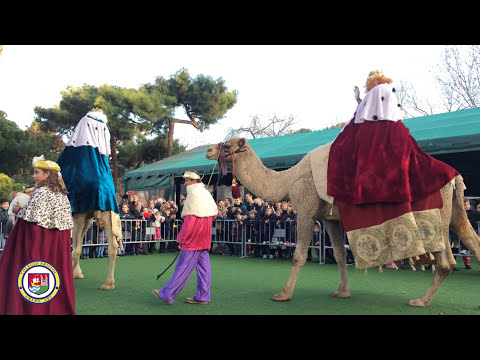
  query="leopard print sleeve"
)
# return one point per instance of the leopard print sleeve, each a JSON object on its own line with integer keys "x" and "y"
{"x": 48, "y": 209}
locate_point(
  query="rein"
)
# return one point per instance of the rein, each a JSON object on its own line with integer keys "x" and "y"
{"x": 223, "y": 168}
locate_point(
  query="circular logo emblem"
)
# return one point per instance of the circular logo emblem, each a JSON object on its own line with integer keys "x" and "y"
{"x": 38, "y": 282}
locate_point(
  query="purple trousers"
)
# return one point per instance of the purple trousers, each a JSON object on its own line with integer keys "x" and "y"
{"x": 187, "y": 261}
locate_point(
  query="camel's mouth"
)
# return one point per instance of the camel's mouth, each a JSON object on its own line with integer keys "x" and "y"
{"x": 211, "y": 154}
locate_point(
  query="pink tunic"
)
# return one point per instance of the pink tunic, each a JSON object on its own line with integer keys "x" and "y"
{"x": 196, "y": 233}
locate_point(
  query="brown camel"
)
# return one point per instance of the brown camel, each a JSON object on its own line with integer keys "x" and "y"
{"x": 298, "y": 185}
{"x": 111, "y": 221}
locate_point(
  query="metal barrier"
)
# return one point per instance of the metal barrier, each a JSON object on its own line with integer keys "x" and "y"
{"x": 137, "y": 235}
{"x": 253, "y": 237}
{"x": 243, "y": 239}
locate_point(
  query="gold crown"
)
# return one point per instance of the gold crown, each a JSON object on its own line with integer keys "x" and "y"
{"x": 41, "y": 163}
{"x": 376, "y": 77}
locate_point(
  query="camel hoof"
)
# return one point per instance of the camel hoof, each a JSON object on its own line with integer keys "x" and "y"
{"x": 280, "y": 297}
{"x": 340, "y": 294}
{"x": 78, "y": 276}
{"x": 107, "y": 287}
{"x": 417, "y": 302}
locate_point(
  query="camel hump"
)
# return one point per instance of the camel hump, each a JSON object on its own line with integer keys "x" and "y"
{"x": 319, "y": 165}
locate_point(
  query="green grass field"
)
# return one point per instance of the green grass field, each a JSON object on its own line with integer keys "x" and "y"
{"x": 245, "y": 286}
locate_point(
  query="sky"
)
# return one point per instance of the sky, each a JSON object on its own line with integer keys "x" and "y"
{"x": 312, "y": 83}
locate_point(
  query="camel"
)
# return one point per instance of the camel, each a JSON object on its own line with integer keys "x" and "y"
{"x": 91, "y": 139}
{"x": 111, "y": 221}
{"x": 298, "y": 185}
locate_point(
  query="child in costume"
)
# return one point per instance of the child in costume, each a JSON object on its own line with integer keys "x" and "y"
{"x": 36, "y": 266}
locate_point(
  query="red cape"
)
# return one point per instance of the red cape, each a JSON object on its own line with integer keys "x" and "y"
{"x": 28, "y": 242}
{"x": 378, "y": 165}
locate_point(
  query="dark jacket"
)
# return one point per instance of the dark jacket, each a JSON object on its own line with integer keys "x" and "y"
{"x": 4, "y": 221}
{"x": 473, "y": 216}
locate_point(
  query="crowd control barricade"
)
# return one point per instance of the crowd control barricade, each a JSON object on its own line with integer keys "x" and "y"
{"x": 259, "y": 237}
{"x": 137, "y": 231}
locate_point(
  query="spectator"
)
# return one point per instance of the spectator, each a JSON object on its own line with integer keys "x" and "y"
{"x": 253, "y": 233}
{"x": 4, "y": 204}
{"x": 159, "y": 219}
{"x": 180, "y": 208}
{"x": 473, "y": 216}
{"x": 249, "y": 202}
{"x": 220, "y": 223}
{"x": 133, "y": 201}
{"x": 101, "y": 239}
{"x": 280, "y": 221}
{"x": 137, "y": 210}
{"x": 228, "y": 206}
{"x": 292, "y": 224}
{"x": 277, "y": 205}
{"x": 238, "y": 232}
{"x": 168, "y": 229}
{"x": 260, "y": 206}
{"x": 137, "y": 237}
{"x": 239, "y": 206}
{"x": 268, "y": 230}
{"x": 125, "y": 219}
{"x": 315, "y": 241}
{"x": 176, "y": 227}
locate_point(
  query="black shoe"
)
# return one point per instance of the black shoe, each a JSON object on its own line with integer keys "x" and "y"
{"x": 468, "y": 267}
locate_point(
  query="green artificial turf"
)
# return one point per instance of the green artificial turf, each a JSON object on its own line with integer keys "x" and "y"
{"x": 245, "y": 286}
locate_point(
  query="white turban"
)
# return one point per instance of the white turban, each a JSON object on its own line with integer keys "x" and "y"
{"x": 191, "y": 175}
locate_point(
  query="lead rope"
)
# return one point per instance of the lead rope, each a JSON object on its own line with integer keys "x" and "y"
{"x": 211, "y": 174}
{"x": 168, "y": 267}
{"x": 232, "y": 153}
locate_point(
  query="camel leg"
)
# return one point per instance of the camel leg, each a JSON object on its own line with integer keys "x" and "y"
{"x": 461, "y": 225}
{"x": 304, "y": 237}
{"x": 442, "y": 258}
{"x": 442, "y": 272}
{"x": 112, "y": 252}
{"x": 80, "y": 226}
{"x": 334, "y": 229}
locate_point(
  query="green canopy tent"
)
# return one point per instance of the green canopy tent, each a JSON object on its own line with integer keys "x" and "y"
{"x": 453, "y": 137}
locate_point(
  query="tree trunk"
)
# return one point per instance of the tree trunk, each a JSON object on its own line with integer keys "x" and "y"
{"x": 113, "y": 147}
{"x": 171, "y": 126}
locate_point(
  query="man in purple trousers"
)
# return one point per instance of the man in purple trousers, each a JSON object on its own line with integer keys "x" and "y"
{"x": 198, "y": 213}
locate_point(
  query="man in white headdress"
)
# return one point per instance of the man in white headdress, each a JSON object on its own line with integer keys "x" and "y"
{"x": 198, "y": 213}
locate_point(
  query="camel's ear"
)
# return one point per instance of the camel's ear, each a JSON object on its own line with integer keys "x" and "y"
{"x": 241, "y": 142}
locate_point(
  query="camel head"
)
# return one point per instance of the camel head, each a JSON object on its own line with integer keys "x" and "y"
{"x": 235, "y": 145}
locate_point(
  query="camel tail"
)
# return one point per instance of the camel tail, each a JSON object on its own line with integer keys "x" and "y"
{"x": 460, "y": 223}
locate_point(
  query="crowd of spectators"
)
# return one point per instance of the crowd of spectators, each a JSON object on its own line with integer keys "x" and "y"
{"x": 269, "y": 229}
{"x": 137, "y": 221}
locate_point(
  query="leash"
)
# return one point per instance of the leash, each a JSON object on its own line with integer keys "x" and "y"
{"x": 158, "y": 276}
{"x": 211, "y": 174}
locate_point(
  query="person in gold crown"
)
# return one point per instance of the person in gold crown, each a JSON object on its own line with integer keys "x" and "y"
{"x": 376, "y": 170}
{"x": 39, "y": 244}
{"x": 199, "y": 210}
